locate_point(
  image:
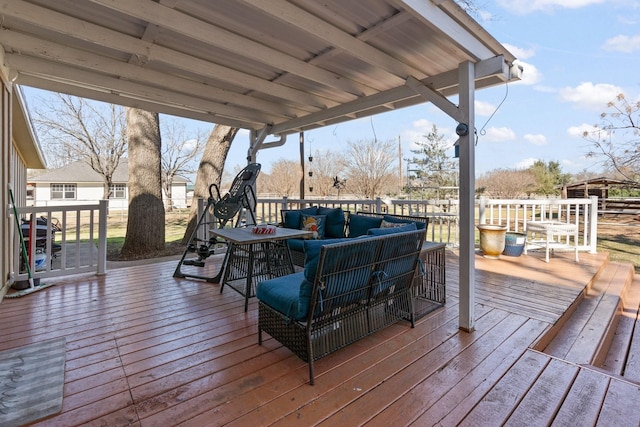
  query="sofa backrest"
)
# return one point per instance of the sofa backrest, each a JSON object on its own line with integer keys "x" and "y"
{"x": 351, "y": 273}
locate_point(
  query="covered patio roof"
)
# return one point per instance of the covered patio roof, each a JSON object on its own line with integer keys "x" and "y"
{"x": 289, "y": 65}
{"x": 275, "y": 67}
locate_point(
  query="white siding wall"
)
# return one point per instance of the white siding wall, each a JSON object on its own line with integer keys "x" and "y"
{"x": 89, "y": 192}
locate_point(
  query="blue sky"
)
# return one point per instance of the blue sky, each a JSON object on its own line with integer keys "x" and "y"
{"x": 577, "y": 56}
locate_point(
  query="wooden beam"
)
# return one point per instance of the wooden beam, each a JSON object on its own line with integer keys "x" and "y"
{"x": 289, "y": 14}
{"x": 106, "y": 96}
{"x": 153, "y": 12}
{"x": 47, "y": 50}
{"x": 103, "y": 83}
{"x": 430, "y": 13}
{"x": 467, "y": 199}
{"x": 78, "y": 29}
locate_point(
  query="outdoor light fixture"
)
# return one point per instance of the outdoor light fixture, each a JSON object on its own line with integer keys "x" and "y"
{"x": 462, "y": 129}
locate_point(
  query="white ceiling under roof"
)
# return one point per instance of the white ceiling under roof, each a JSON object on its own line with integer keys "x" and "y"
{"x": 282, "y": 66}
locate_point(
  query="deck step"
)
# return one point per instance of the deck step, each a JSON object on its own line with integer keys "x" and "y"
{"x": 620, "y": 354}
{"x": 586, "y": 335}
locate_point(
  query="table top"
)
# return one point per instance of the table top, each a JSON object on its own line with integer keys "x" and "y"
{"x": 244, "y": 236}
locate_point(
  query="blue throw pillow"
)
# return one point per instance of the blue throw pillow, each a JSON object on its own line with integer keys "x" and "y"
{"x": 292, "y": 218}
{"x": 335, "y": 221}
{"x": 360, "y": 224}
{"x": 411, "y": 226}
{"x": 313, "y": 223}
{"x": 419, "y": 225}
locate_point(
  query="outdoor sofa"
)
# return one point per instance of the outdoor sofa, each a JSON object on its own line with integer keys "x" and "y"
{"x": 335, "y": 223}
{"x": 350, "y": 288}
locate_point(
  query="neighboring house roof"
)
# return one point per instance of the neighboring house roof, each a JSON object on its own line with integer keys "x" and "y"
{"x": 23, "y": 135}
{"x": 602, "y": 181}
{"x": 81, "y": 172}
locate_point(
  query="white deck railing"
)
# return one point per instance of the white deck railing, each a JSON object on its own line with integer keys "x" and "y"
{"x": 82, "y": 238}
{"x": 442, "y": 214}
{"x": 514, "y": 214}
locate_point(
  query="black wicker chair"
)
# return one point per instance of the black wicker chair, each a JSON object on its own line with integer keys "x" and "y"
{"x": 357, "y": 287}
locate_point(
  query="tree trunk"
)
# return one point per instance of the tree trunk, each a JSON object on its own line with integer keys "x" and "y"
{"x": 145, "y": 225}
{"x": 210, "y": 170}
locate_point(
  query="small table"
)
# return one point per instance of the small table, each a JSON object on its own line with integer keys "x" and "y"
{"x": 252, "y": 258}
{"x": 551, "y": 229}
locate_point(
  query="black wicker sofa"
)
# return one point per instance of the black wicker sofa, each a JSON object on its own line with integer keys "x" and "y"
{"x": 349, "y": 289}
{"x": 337, "y": 224}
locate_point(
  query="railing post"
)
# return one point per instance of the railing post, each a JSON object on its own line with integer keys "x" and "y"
{"x": 102, "y": 236}
{"x": 482, "y": 206}
{"x": 593, "y": 225}
{"x": 378, "y": 205}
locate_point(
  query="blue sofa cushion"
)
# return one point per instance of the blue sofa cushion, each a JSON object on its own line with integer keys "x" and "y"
{"x": 296, "y": 245}
{"x": 283, "y": 294}
{"x": 312, "y": 255}
{"x": 419, "y": 225}
{"x": 410, "y": 226}
{"x": 334, "y": 227}
{"x": 360, "y": 224}
{"x": 292, "y": 218}
{"x": 313, "y": 223}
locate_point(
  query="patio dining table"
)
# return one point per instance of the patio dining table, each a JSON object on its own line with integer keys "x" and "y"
{"x": 252, "y": 258}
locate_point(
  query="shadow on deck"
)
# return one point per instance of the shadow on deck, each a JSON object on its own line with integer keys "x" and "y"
{"x": 144, "y": 348}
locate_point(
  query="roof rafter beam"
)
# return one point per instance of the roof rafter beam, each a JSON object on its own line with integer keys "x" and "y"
{"x": 446, "y": 83}
{"x": 54, "y": 52}
{"x": 110, "y": 97}
{"x": 431, "y": 14}
{"x": 294, "y": 16}
{"x": 92, "y": 33}
{"x": 69, "y": 74}
{"x": 150, "y": 11}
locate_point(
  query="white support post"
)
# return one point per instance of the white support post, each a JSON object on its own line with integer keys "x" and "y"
{"x": 102, "y": 237}
{"x": 467, "y": 195}
{"x": 593, "y": 225}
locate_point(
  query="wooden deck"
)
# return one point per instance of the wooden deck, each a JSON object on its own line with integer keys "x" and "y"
{"x": 146, "y": 349}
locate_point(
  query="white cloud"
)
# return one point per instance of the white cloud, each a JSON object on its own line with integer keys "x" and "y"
{"x": 519, "y": 52}
{"x": 484, "y": 108}
{"x": 536, "y": 139}
{"x": 578, "y": 131}
{"x": 525, "y": 163}
{"x": 499, "y": 134}
{"x": 523, "y": 7}
{"x": 530, "y": 73}
{"x": 590, "y": 96}
{"x": 621, "y": 43}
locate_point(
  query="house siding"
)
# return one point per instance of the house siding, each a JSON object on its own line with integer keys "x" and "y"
{"x": 92, "y": 193}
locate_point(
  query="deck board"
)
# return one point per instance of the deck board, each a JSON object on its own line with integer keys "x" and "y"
{"x": 146, "y": 349}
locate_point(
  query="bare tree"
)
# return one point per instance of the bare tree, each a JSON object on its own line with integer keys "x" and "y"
{"x": 369, "y": 165}
{"x": 75, "y": 128}
{"x": 326, "y": 166}
{"x": 179, "y": 152}
{"x": 210, "y": 169}
{"x": 617, "y": 139}
{"x": 507, "y": 183}
{"x": 145, "y": 223}
{"x": 283, "y": 180}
